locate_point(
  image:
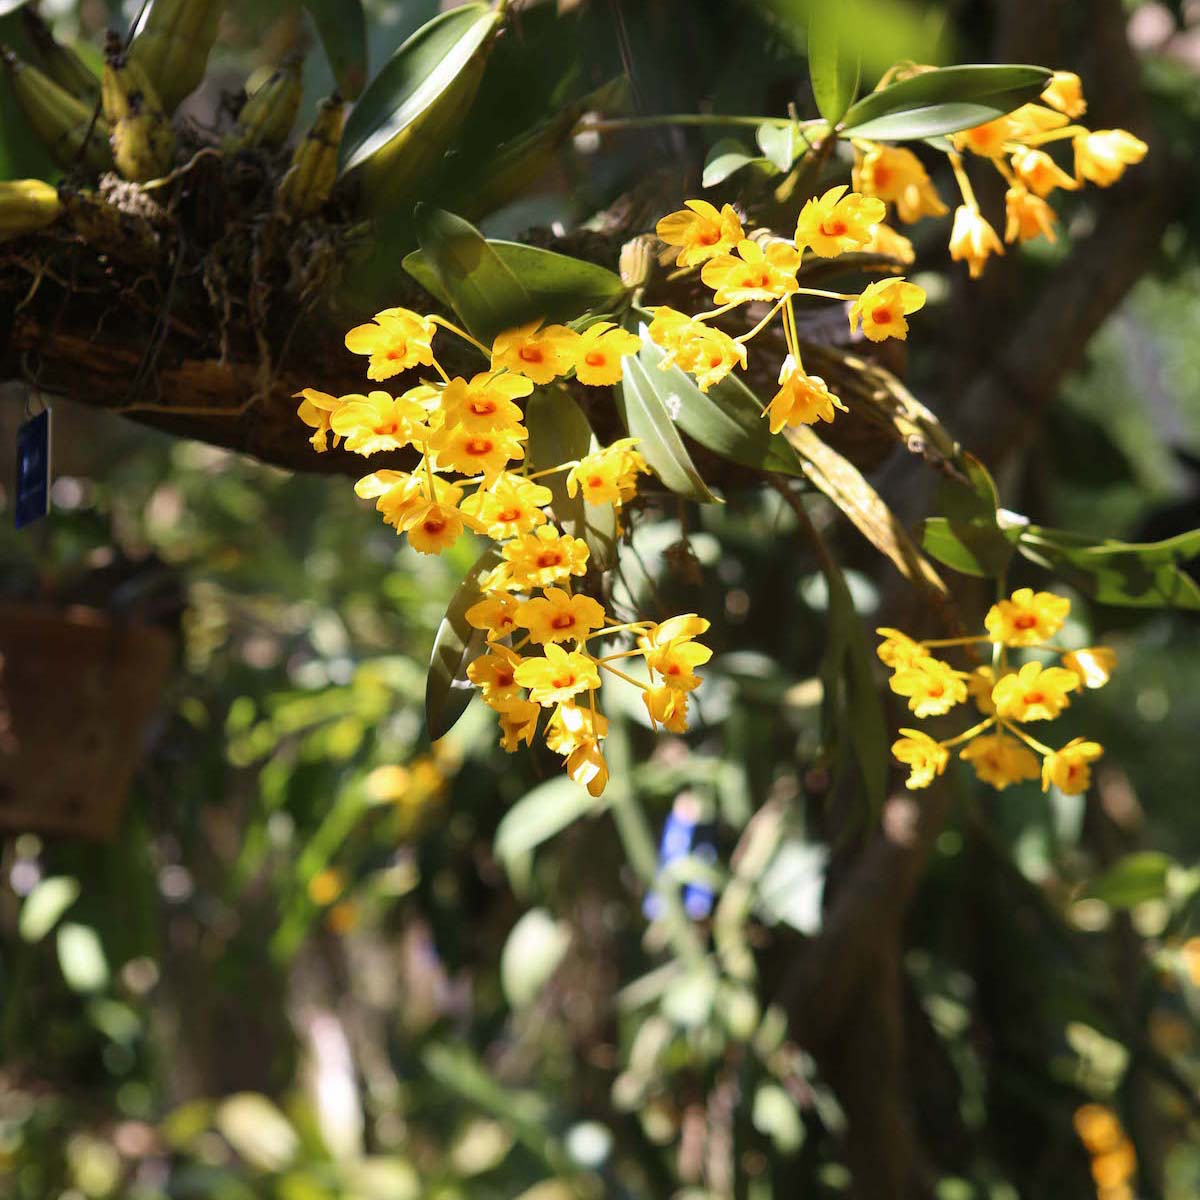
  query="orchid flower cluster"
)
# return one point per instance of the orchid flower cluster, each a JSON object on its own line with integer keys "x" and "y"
{"x": 1008, "y": 696}
{"x": 741, "y": 270}
{"x": 543, "y": 655}
{"x": 1013, "y": 144}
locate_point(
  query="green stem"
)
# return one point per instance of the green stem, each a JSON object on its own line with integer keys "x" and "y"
{"x": 616, "y": 123}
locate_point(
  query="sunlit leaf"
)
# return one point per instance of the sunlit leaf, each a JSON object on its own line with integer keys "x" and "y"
{"x": 727, "y": 157}
{"x": 44, "y": 906}
{"x": 541, "y": 813}
{"x": 726, "y": 419}
{"x": 414, "y": 106}
{"x": 455, "y": 646}
{"x": 944, "y": 101}
{"x": 81, "y": 958}
{"x": 531, "y": 954}
{"x": 833, "y": 56}
{"x": 257, "y": 1130}
{"x": 647, "y": 401}
{"x": 782, "y": 144}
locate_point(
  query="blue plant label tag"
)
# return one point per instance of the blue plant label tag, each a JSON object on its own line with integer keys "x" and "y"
{"x": 33, "y": 469}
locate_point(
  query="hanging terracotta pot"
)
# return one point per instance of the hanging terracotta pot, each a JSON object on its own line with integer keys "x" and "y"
{"x": 77, "y": 691}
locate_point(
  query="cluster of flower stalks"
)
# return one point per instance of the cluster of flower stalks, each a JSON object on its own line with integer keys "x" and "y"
{"x": 547, "y": 645}
{"x": 1009, "y": 696}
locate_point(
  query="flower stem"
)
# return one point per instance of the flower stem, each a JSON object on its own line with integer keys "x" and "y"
{"x": 462, "y": 333}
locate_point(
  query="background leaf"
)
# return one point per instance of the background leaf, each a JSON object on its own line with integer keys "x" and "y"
{"x": 833, "y": 56}
{"x": 342, "y": 28}
{"x": 944, "y": 101}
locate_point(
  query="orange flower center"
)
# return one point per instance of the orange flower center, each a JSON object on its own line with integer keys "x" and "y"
{"x": 562, "y": 621}
{"x": 596, "y": 481}
{"x": 565, "y": 680}
{"x": 433, "y": 525}
{"x": 482, "y": 407}
{"x": 508, "y": 514}
{"x": 833, "y": 228}
{"x": 549, "y": 558}
{"x": 388, "y": 429}
{"x": 478, "y": 446}
{"x": 595, "y": 359}
{"x": 531, "y": 354}
{"x": 882, "y": 175}
{"x": 393, "y": 354}
{"x": 708, "y": 236}
{"x": 881, "y": 315}
{"x": 1025, "y": 621}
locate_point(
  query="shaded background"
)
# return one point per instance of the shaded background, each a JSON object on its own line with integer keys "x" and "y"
{"x": 307, "y": 966}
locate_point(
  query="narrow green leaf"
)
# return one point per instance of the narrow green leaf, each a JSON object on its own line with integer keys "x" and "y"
{"x": 496, "y": 285}
{"x": 1132, "y": 880}
{"x": 411, "y": 111}
{"x": 646, "y": 401}
{"x": 944, "y": 101}
{"x": 558, "y": 433}
{"x": 44, "y": 906}
{"x": 727, "y": 419}
{"x": 833, "y": 56}
{"x": 940, "y": 540}
{"x": 1124, "y": 574}
{"x": 342, "y": 28}
{"x": 455, "y": 646}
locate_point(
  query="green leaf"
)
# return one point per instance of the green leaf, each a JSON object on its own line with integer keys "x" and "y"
{"x": 727, "y": 157}
{"x": 864, "y": 709}
{"x": 45, "y": 905}
{"x": 455, "y": 646}
{"x": 81, "y": 958}
{"x": 833, "y": 57}
{"x": 257, "y": 1130}
{"x": 727, "y": 419}
{"x": 11, "y": 6}
{"x": 1132, "y": 880}
{"x": 646, "y": 401}
{"x": 969, "y": 537}
{"x": 531, "y": 954}
{"x": 411, "y": 110}
{"x": 342, "y": 28}
{"x": 775, "y": 1114}
{"x": 541, "y": 813}
{"x": 558, "y": 433}
{"x": 782, "y": 144}
{"x": 944, "y": 101}
{"x": 1124, "y": 574}
{"x": 496, "y": 285}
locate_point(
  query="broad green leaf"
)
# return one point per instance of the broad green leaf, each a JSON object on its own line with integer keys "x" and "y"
{"x": 944, "y": 101}
{"x": 864, "y": 710}
{"x": 1135, "y": 878}
{"x": 646, "y": 401}
{"x": 44, "y": 906}
{"x": 411, "y": 110}
{"x": 782, "y": 144}
{"x": 727, "y": 419}
{"x": 496, "y": 285}
{"x": 1124, "y": 574}
{"x": 455, "y": 646}
{"x": 833, "y": 57}
{"x": 531, "y": 954}
{"x": 968, "y": 537}
{"x": 727, "y": 157}
{"x": 559, "y": 433}
{"x": 541, "y": 813}
{"x": 81, "y": 958}
{"x": 342, "y": 28}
